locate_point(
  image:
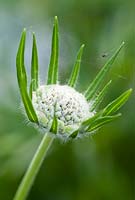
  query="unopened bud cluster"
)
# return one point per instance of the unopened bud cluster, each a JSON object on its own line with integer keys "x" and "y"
{"x": 69, "y": 106}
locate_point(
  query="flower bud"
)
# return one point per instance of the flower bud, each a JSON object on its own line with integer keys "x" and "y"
{"x": 69, "y": 106}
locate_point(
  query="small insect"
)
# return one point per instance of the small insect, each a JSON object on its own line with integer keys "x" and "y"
{"x": 104, "y": 55}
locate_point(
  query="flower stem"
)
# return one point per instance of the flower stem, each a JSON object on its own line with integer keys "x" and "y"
{"x": 33, "y": 168}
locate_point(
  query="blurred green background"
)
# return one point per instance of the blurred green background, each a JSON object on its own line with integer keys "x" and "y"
{"x": 101, "y": 166}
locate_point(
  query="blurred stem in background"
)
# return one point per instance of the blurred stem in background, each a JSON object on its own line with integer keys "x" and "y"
{"x": 34, "y": 167}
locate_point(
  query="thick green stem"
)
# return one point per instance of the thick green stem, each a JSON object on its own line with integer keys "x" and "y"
{"x": 34, "y": 167}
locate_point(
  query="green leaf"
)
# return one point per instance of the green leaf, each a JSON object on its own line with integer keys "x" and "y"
{"x": 101, "y": 121}
{"x": 28, "y": 106}
{"x": 74, "y": 134}
{"x": 53, "y": 66}
{"x": 21, "y": 72}
{"x": 92, "y": 89}
{"x": 22, "y": 80}
{"x": 90, "y": 120}
{"x": 31, "y": 88}
{"x": 34, "y": 65}
{"x": 76, "y": 69}
{"x": 54, "y": 126}
{"x": 100, "y": 96}
{"x": 117, "y": 103}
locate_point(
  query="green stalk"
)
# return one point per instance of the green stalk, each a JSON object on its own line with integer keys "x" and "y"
{"x": 33, "y": 168}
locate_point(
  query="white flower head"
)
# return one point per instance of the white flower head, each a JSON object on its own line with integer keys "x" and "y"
{"x": 69, "y": 106}
{"x": 60, "y": 109}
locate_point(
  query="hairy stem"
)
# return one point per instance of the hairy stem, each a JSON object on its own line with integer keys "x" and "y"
{"x": 33, "y": 168}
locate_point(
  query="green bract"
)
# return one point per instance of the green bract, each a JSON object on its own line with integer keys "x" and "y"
{"x": 61, "y": 109}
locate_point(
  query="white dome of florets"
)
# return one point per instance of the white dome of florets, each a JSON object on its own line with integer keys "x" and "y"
{"x": 69, "y": 106}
